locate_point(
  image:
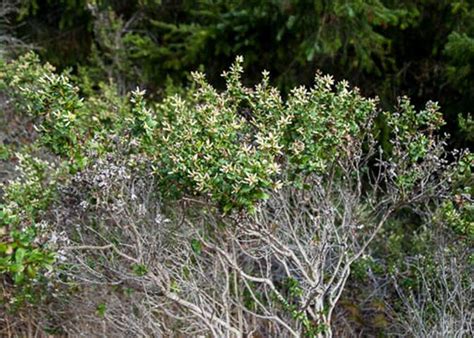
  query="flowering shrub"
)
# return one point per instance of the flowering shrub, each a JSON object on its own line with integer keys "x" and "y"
{"x": 48, "y": 96}
{"x": 236, "y": 145}
{"x": 217, "y": 145}
{"x": 283, "y": 195}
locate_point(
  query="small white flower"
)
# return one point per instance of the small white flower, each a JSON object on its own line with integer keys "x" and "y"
{"x": 251, "y": 179}
{"x": 53, "y": 238}
{"x": 142, "y": 210}
{"x": 159, "y": 219}
{"x": 84, "y": 205}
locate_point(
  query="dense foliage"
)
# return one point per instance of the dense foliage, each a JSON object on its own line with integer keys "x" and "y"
{"x": 141, "y": 197}
{"x": 422, "y": 49}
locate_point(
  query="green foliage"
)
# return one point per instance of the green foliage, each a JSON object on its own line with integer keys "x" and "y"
{"x": 25, "y": 249}
{"x": 5, "y": 152}
{"x": 460, "y": 217}
{"x": 231, "y": 142}
{"x": 69, "y": 126}
{"x": 48, "y": 96}
{"x": 232, "y": 145}
{"x": 406, "y": 126}
{"x": 60, "y": 27}
{"x": 394, "y": 44}
{"x": 211, "y": 32}
{"x": 458, "y": 211}
{"x": 208, "y": 146}
{"x": 231, "y": 149}
{"x": 310, "y": 328}
{"x": 459, "y": 47}
{"x": 142, "y": 121}
{"x": 101, "y": 310}
{"x": 460, "y": 51}
{"x": 413, "y": 141}
{"x": 390, "y": 48}
{"x": 466, "y": 126}
{"x": 139, "y": 269}
{"x": 326, "y": 122}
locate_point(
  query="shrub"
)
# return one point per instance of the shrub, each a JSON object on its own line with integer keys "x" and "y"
{"x": 28, "y": 243}
{"x": 224, "y": 212}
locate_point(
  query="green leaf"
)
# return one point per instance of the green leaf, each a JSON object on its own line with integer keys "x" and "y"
{"x": 261, "y": 195}
{"x": 227, "y": 208}
{"x": 19, "y": 255}
{"x": 16, "y": 268}
{"x": 196, "y": 245}
{"x": 101, "y": 309}
{"x": 139, "y": 269}
{"x": 18, "y": 277}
